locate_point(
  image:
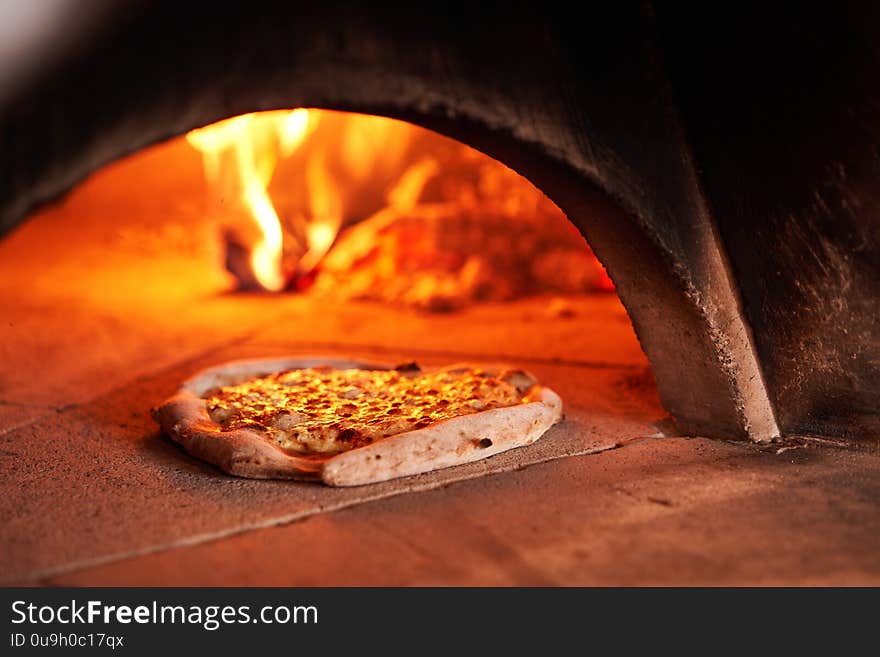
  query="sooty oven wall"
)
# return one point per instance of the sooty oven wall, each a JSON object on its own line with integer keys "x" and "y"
{"x": 721, "y": 167}
{"x": 782, "y": 107}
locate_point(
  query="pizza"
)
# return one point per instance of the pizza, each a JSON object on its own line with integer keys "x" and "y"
{"x": 347, "y": 423}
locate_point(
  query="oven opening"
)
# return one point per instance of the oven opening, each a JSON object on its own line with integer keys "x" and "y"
{"x": 311, "y": 234}
{"x": 317, "y": 233}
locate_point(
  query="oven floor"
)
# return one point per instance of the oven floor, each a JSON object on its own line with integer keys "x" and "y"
{"x": 659, "y": 512}
{"x": 98, "y": 326}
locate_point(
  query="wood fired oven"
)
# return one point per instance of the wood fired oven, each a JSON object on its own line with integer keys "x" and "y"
{"x": 726, "y": 184}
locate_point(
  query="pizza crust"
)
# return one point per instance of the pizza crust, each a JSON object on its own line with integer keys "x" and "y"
{"x": 246, "y": 453}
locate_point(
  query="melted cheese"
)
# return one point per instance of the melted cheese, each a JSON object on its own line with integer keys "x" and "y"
{"x": 326, "y": 411}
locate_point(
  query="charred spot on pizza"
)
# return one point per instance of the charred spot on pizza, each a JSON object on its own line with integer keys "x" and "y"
{"x": 328, "y": 411}
{"x": 348, "y": 435}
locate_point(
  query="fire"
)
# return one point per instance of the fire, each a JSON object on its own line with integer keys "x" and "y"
{"x": 240, "y": 156}
{"x": 369, "y": 207}
{"x": 266, "y": 253}
{"x": 348, "y": 154}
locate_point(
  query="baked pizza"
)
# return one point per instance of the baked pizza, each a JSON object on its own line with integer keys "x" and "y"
{"x": 347, "y": 423}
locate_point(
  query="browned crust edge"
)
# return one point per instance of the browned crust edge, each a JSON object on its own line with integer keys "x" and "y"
{"x": 246, "y": 453}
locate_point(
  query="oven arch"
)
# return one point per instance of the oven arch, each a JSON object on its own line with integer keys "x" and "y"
{"x": 613, "y": 145}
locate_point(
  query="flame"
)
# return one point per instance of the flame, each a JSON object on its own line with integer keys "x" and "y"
{"x": 393, "y": 180}
{"x": 266, "y": 253}
{"x": 352, "y": 158}
{"x": 240, "y": 156}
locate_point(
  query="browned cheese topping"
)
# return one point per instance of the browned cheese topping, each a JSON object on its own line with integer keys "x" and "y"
{"x": 326, "y": 411}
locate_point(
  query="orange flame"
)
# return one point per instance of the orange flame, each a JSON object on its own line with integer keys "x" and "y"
{"x": 353, "y": 157}
{"x": 240, "y": 156}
